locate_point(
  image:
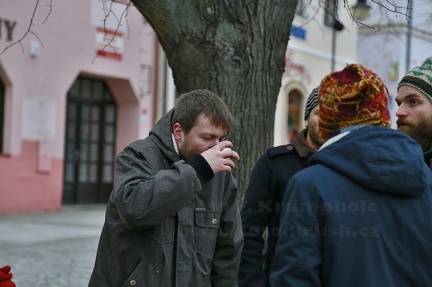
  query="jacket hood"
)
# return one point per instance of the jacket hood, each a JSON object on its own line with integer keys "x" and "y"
{"x": 161, "y": 134}
{"x": 379, "y": 159}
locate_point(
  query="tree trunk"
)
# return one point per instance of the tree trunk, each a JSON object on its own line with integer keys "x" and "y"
{"x": 235, "y": 49}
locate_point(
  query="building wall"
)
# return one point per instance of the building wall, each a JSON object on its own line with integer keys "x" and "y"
{"x": 309, "y": 58}
{"x": 39, "y": 69}
{"x": 383, "y": 43}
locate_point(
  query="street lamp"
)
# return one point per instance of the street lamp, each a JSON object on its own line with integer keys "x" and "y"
{"x": 361, "y": 10}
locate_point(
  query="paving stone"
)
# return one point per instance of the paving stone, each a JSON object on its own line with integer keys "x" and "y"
{"x": 51, "y": 249}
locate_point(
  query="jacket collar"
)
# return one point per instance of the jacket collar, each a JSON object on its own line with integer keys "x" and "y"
{"x": 300, "y": 144}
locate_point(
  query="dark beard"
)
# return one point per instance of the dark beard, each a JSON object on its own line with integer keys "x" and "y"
{"x": 422, "y": 133}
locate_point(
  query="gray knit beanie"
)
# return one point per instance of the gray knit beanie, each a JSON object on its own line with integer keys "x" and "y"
{"x": 420, "y": 78}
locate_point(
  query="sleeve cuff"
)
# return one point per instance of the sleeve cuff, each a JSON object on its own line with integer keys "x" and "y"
{"x": 201, "y": 166}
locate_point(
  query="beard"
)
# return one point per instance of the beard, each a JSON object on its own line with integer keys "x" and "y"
{"x": 315, "y": 135}
{"x": 420, "y": 132}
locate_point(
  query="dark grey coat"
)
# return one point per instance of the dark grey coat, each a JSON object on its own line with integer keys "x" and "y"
{"x": 169, "y": 222}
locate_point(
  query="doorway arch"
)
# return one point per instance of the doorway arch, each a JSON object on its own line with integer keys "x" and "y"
{"x": 89, "y": 151}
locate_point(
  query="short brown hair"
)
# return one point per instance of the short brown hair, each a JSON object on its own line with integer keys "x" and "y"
{"x": 194, "y": 103}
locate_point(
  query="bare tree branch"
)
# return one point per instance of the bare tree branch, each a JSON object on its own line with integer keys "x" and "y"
{"x": 49, "y": 13}
{"x": 107, "y": 11}
{"x": 29, "y": 31}
{"x": 119, "y": 20}
{"x": 391, "y": 7}
{"x": 385, "y": 7}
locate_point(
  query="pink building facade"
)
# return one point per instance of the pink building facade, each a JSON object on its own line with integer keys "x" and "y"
{"x": 75, "y": 88}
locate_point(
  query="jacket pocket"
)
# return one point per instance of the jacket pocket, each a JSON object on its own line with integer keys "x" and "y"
{"x": 145, "y": 274}
{"x": 164, "y": 232}
{"x": 206, "y": 232}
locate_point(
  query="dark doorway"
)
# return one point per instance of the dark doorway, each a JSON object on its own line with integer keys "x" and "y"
{"x": 89, "y": 142}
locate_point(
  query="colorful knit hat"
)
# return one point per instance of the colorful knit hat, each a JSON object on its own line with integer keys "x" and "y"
{"x": 420, "y": 78}
{"x": 353, "y": 96}
{"x": 312, "y": 102}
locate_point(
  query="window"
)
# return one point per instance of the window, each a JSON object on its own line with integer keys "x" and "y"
{"x": 294, "y": 107}
{"x": 301, "y": 8}
{"x": 330, "y": 12}
{"x": 2, "y": 100}
{"x": 331, "y": 16}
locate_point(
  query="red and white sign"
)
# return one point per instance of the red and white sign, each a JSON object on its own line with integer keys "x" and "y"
{"x": 109, "y": 43}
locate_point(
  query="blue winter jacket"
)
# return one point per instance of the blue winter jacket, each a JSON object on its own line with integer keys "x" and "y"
{"x": 360, "y": 215}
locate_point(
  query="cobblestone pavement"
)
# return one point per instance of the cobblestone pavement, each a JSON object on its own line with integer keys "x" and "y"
{"x": 53, "y": 248}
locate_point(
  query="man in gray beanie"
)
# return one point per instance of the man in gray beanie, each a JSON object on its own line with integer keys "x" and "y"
{"x": 261, "y": 208}
{"x": 414, "y": 98}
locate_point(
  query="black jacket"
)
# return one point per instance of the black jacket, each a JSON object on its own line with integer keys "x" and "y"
{"x": 261, "y": 207}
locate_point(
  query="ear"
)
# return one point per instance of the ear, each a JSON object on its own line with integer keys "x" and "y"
{"x": 178, "y": 132}
{"x": 306, "y": 123}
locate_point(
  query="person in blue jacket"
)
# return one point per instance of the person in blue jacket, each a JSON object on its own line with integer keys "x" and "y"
{"x": 361, "y": 213}
{"x": 261, "y": 207}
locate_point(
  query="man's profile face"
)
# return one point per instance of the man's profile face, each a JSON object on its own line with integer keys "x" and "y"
{"x": 201, "y": 137}
{"x": 415, "y": 115}
{"x": 312, "y": 124}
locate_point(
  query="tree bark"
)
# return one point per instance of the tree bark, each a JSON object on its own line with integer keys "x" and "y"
{"x": 235, "y": 49}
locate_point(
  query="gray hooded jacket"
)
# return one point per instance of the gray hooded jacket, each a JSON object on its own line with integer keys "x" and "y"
{"x": 169, "y": 222}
